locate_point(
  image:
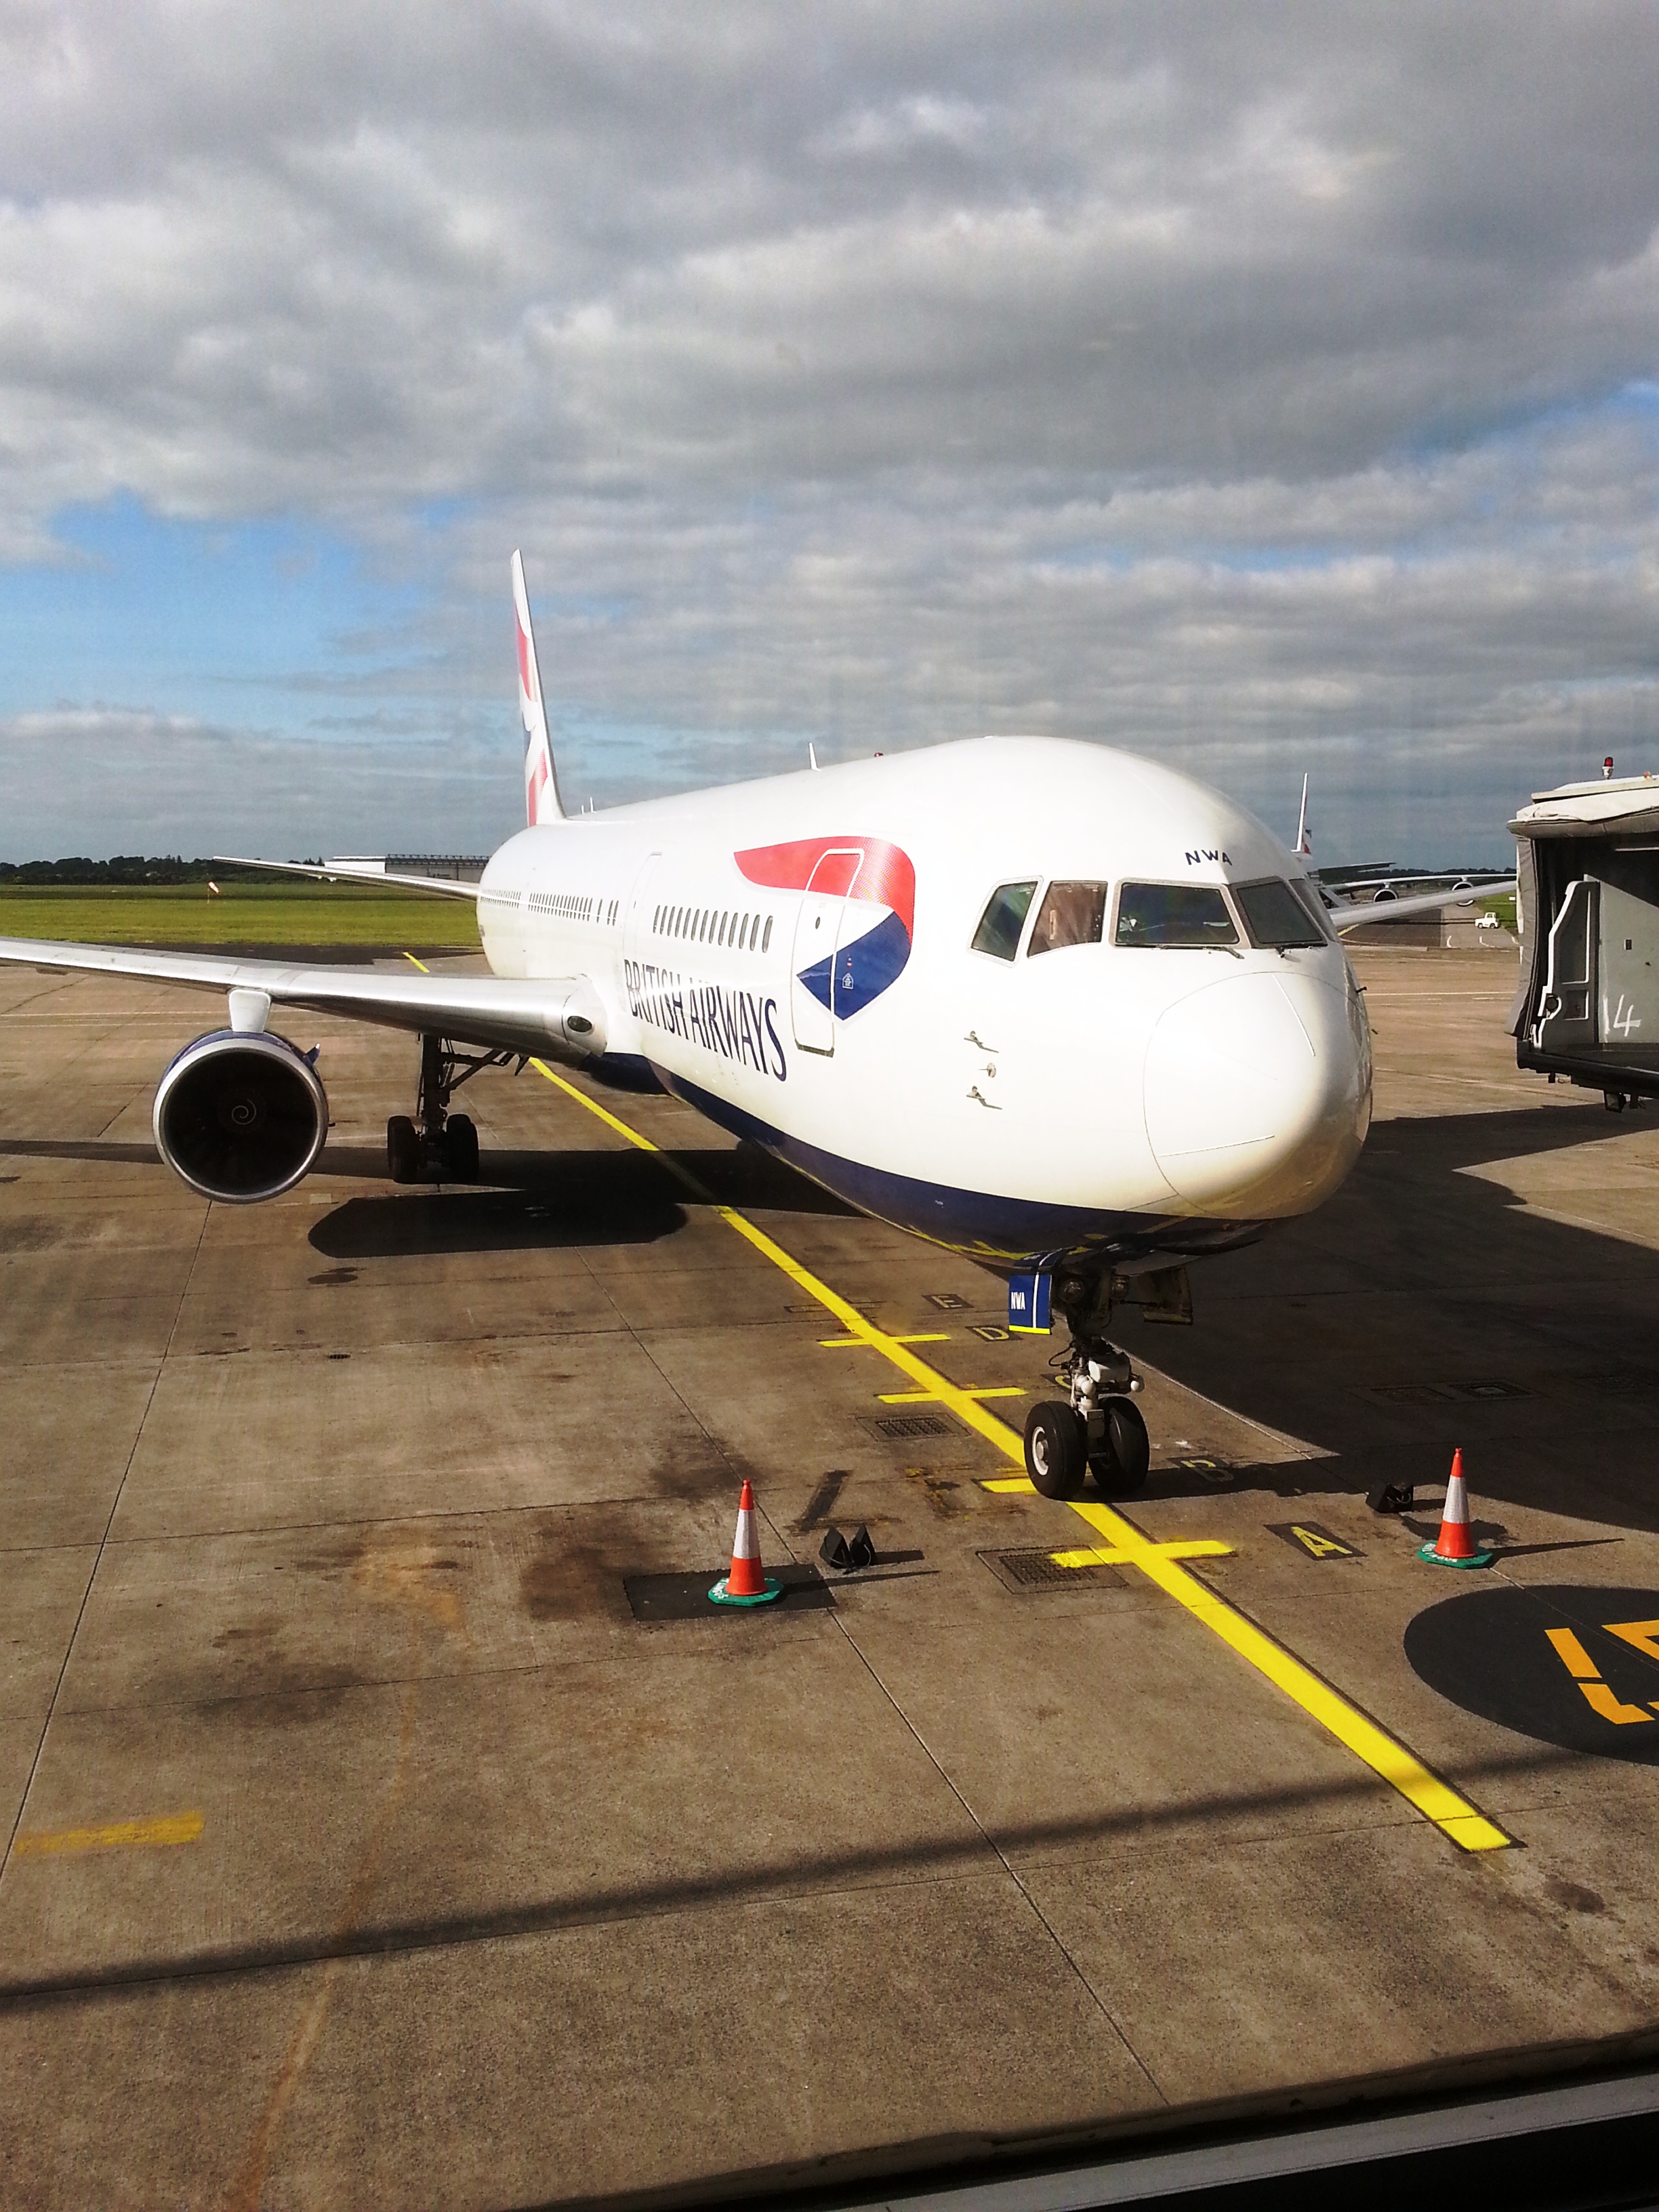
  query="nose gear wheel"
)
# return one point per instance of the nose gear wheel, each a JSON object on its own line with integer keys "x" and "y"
{"x": 1097, "y": 1427}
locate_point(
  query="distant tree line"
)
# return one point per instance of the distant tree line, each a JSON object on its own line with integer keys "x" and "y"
{"x": 125, "y": 868}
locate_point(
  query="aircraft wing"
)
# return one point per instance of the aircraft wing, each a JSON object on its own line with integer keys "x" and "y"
{"x": 1344, "y": 918}
{"x": 562, "y": 1016}
{"x": 345, "y": 871}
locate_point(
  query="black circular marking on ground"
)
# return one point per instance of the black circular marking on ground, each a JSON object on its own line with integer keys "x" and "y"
{"x": 1488, "y": 1650}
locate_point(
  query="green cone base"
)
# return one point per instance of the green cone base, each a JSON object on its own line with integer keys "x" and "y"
{"x": 721, "y": 1595}
{"x": 1438, "y": 1559}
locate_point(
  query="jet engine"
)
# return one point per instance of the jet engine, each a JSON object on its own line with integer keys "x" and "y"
{"x": 240, "y": 1116}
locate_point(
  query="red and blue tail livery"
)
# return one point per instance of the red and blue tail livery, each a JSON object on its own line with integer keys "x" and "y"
{"x": 865, "y": 887}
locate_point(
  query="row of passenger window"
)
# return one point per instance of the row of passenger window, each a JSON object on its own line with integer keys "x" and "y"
{"x": 1276, "y": 916}
{"x": 702, "y": 925}
{"x": 573, "y": 906}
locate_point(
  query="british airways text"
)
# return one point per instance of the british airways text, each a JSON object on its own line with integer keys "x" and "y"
{"x": 733, "y": 1023}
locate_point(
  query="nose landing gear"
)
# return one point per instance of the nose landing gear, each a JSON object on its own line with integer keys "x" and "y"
{"x": 1097, "y": 1427}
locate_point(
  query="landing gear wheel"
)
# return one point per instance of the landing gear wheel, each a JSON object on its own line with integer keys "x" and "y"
{"x": 461, "y": 1149}
{"x": 1056, "y": 1453}
{"x": 403, "y": 1150}
{"x": 1120, "y": 1467}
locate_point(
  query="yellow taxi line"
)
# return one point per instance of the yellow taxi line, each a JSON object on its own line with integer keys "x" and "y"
{"x": 852, "y": 1320}
{"x": 1436, "y": 1799}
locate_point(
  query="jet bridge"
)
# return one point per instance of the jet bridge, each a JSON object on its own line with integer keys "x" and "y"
{"x": 1588, "y": 910}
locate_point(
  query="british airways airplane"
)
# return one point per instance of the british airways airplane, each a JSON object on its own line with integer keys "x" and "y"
{"x": 1068, "y": 1012}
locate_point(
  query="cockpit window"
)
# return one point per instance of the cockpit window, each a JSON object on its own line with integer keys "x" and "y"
{"x": 1003, "y": 919}
{"x": 1275, "y": 916}
{"x": 1172, "y": 913}
{"x": 1071, "y": 914}
{"x": 1318, "y": 905}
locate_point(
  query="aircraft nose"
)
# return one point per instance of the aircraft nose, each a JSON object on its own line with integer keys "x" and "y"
{"x": 1258, "y": 1093}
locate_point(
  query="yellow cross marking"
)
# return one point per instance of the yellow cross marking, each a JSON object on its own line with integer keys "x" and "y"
{"x": 857, "y": 1343}
{"x": 923, "y": 1397}
{"x": 1199, "y": 1547}
{"x": 1436, "y": 1799}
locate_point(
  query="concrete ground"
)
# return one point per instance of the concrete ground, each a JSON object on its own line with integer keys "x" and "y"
{"x": 367, "y": 1849}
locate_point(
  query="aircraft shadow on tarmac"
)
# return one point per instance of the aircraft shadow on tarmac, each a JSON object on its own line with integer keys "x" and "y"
{"x": 531, "y": 1201}
{"x": 55, "y": 1148}
{"x": 1425, "y": 1307}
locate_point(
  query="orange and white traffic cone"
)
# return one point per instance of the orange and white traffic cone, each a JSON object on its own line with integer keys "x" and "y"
{"x": 745, "y": 1583}
{"x": 1455, "y": 1546}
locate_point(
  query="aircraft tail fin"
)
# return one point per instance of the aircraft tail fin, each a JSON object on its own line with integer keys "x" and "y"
{"x": 1303, "y": 842}
{"x": 541, "y": 783}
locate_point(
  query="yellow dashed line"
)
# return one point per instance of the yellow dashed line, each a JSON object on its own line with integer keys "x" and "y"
{"x": 171, "y": 1828}
{"x": 1435, "y": 1799}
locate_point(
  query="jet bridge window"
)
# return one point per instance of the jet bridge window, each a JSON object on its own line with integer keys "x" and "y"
{"x": 1173, "y": 914}
{"x": 1004, "y": 918}
{"x": 1275, "y": 916}
{"x": 1071, "y": 914}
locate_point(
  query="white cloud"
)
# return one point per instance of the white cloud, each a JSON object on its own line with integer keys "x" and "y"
{"x": 1234, "y": 382}
{"x": 111, "y": 779}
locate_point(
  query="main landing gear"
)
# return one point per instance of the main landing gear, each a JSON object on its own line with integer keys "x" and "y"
{"x": 439, "y": 1146}
{"x": 1096, "y": 1428}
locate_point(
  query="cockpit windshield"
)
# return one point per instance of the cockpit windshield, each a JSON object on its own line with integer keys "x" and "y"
{"x": 1004, "y": 918}
{"x": 1173, "y": 914}
{"x": 1071, "y": 914}
{"x": 1275, "y": 917}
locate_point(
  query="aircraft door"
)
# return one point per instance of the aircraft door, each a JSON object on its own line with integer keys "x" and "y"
{"x": 637, "y": 922}
{"x": 813, "y": 953}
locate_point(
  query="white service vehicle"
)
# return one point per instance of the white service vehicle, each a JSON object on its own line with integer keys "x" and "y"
{"x": 1588, "y": 1006}
{"x": 1048, "y": 1005}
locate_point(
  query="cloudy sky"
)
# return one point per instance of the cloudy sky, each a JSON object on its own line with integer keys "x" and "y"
{"x": 1269, "y": 389}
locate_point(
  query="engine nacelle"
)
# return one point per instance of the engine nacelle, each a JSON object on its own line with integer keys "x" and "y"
{"x": 240, "y": 1116}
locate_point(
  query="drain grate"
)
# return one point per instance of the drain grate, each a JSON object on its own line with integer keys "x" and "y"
{"x": 1026, "y": 1573}
{"x": 1441, "y": 1394}
{"x": 900, "y": 1428}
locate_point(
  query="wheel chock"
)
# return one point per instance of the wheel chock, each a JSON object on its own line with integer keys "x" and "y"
{"x": 1392, "y": 1498}
{"x": 860, "y": 1551}
{"x": 834, "y": 1552}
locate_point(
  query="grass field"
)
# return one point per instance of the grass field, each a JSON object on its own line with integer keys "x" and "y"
{"x": 297, "y": 914}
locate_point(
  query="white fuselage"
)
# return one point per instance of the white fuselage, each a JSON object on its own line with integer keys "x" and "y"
{"x": 795, "y": 958}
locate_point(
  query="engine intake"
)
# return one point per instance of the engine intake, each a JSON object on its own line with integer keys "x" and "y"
{"x": 240, "y": 1117}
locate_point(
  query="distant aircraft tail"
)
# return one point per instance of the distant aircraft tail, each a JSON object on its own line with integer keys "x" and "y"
{"x": 1303, "y": 842}
{"x": 541, "y": 784}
